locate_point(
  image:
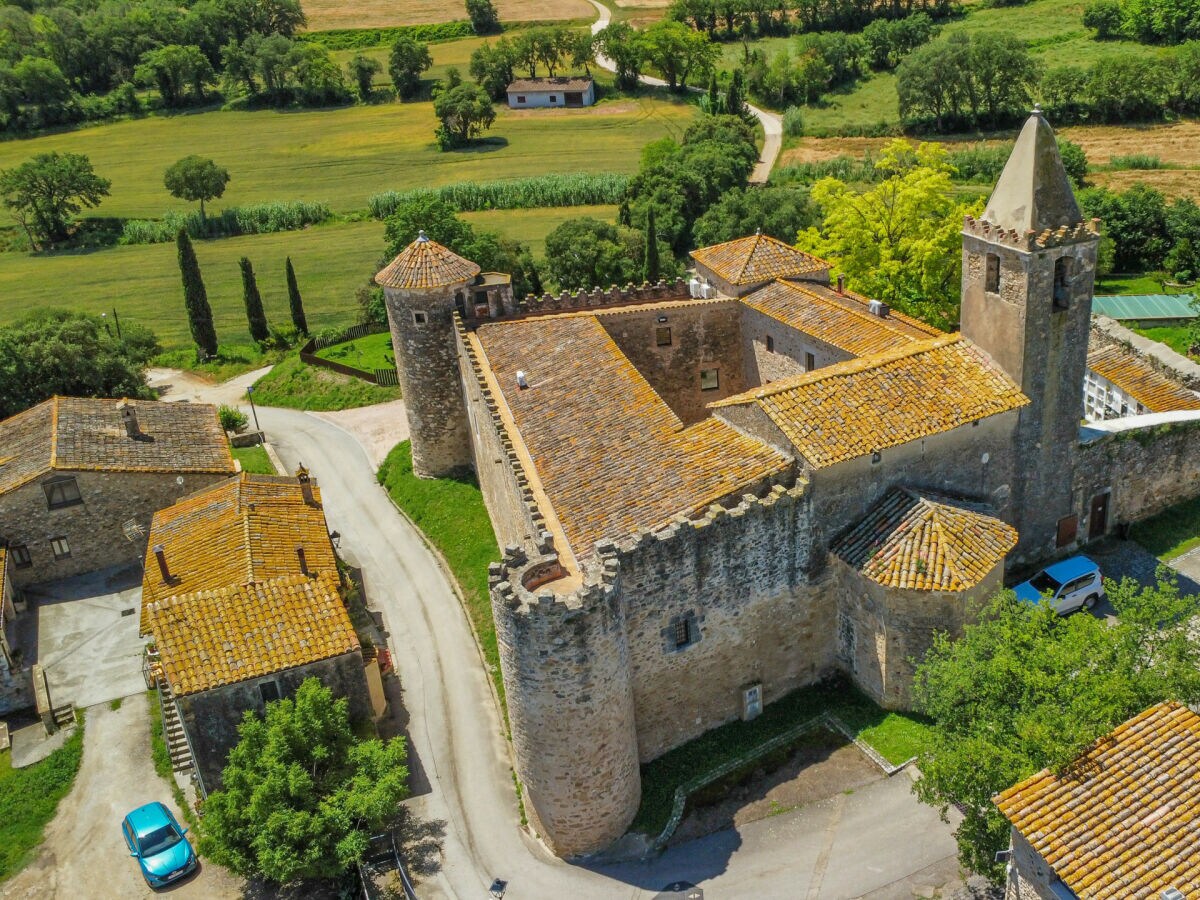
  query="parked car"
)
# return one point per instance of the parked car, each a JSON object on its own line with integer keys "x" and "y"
{"x": 159, "y": 844}
{"x": 1072, "y": 584}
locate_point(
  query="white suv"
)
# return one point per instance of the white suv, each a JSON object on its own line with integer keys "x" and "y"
{"x": 1072, "y": 584}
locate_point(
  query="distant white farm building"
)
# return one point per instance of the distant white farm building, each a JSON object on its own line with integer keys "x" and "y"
{"x": 525, "y": 93}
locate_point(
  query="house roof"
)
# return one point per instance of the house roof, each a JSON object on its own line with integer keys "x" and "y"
{"x": 755, "y": 259}
{"x": 611, "y": 455}
{"x": 1123, "y": 821}
{"x": 1140, "y": 380}
{"x": 1146, "y": 306}
{"x": 212, "y": 638}
{"x": 1033, "y": 192}
{"x": 243, "y": 530}
{"x": 925, "y": 541}
{"x": 534, "y": 85}
{"x": 840, "y": 320}
{"x": 426, "y": 264}
{"x": 84, "y": 434}
{"x": 859, "y": 406}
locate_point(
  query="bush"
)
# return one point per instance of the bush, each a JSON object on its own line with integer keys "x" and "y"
{"x": 232, "y": 419}
{"x": 1104, "y": 16}
{"x": 578, "y": 189}
{"x": 257, "y": 218}
{"x": 1136, "y": 161}
{"x": 793, "y": 121}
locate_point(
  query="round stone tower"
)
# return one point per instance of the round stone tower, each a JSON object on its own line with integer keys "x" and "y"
{"x": 423, "y": 287}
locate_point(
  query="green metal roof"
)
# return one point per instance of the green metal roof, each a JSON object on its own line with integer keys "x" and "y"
{"x": 1146, "y": 306}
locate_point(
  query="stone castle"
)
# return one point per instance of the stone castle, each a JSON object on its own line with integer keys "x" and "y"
{"x": 712, "y": 493}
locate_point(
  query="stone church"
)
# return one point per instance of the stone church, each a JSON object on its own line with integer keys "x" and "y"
{"x": 713, "y": 493}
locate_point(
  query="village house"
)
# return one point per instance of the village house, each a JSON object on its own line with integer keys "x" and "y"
{"x": 242, "y": 600}
{"x": 80, "y": 479}
{"x": 533, "y": 93}
{"x": 1119, "y": 822}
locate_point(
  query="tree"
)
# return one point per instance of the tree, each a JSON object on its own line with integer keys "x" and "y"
{"x": 363, "y": 70}
{"x": 195, "y": 299}
{"x": 678, "y": 52}
{"x": 408, "y": 59}
{"x": 1074, "y": 161}
{"x": 492, "y": 67}
{"x": 45, "y": 192}
{"x": 301, "y": 796}
{"x": 900, "y": 240}
{"x": 619, "y": 42}
{"x": 71, "y": 353}
{"x": 465, "y": 112}
{"x": 196, "y": 178}
{"x": 1105, "y": 17}
{"x": 483, "y": 16}
{"x": 40, "y": 82}
{"x": 650, "y": 264}
{"x": 173, "y": 69}
{"x": 781, "y": 212}
{"x": 294, "y": 302}
{"x": 1025, "y": 689}
{"x": 583, "y": 253}
{"x": 256, "y": 317}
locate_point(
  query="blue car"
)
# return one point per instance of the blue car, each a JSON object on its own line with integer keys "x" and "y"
{"x": 155, "y": 838}
{"x": 1072, "y": 584}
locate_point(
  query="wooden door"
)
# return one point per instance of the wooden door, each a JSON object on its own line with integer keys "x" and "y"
{"x": 1098, "y": 517}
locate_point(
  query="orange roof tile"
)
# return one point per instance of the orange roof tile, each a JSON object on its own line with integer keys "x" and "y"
{"x": 426, "y": 264}
{"x": 755, "y": 259}
{"x": 855, "y": 407}
{"x": 927, "y": 542}
{"x": 1140, "y": 380}
{"x": 242, "y": 530}
{"x": 84, "y": 434}
{"x": 1123, "y": 822}
{"x": 611, "y": 455}
{"x": 215, "y": 637}
{"x": 840, "y": 320}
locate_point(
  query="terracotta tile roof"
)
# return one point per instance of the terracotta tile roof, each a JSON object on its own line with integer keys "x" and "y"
{"x": 855, "y": 407}
{"x": 1140, "y": 380}
{"x": 545, "y": 85}
{"x": 81, "y": 434}
{"x": 241, "y": 530}
{"x": 426, "y": 264}
{"x": 840, "y": 320}
{"x": 1124, "y": 821}
{"x": 755, "y": 259}
{"x": 611, "y": 455}
{"x": 926, "y": 542}
{"x": 210, "y": 638}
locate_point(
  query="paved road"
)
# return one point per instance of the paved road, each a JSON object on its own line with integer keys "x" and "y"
{"x": 771, "y": 123}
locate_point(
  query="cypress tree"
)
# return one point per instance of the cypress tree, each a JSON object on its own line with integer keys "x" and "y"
{"x": 735, "y": 99}
{"x": 195, "y": 298}
{"x": 714, "y": 98}
{"x": 294, "y": 300}
{"x": 254, "y": 308}
{"x": 650, "y": 269}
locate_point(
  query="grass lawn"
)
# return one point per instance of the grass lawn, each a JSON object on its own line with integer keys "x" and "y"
{"x": 896, "y": 736}
{"x": 452, "y": 516}
{"x": 1172, "y": 532}
{"x": 254, "y": 460}
{"x": 1125, "y": 285}
{"x": 1177, "y": 337}
{"x": 532, "y": 225}
{"x": 29, "y": 798}
{"x": 367, "y": 353}
{"x": 232, "y": 360}
{"x": 297, "y": 385}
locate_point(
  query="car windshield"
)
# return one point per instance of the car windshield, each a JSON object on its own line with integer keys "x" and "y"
{"x": 1044, "y": 584}
{"x": 162, "y": 838}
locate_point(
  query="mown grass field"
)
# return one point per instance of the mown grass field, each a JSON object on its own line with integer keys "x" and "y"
{"x": 532, "y": 225}
{"x": 367, "y": 353}
{"x": 324, "y": 15}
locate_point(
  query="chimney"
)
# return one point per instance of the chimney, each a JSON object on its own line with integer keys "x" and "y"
{"x": 305, "y": 485}
{"x": 303, "y": 561}
{"x": 161, "y": 555}
{"x": 841, "y": 284}
{"x": 129, "y": 417}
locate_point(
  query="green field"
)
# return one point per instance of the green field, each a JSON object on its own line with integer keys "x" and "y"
{"x": 254, "y": 460}
{"x": 367, "y": 353}
{"x": 532, "y": 225}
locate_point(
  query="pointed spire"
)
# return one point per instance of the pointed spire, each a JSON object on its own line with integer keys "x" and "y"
{"x": 1034, "y": 192}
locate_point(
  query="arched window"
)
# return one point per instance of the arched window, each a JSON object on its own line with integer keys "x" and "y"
{"x": 992, "y": 276}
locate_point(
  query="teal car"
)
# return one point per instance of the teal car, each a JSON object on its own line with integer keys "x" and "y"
{"x": 160, "y": 846}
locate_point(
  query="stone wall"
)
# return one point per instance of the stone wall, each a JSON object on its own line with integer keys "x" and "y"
{"x": 1029, "y": 876}
{"x": 93, "y": 528}
{"x": 16, "y": 680}
{"x": 211, "y": 717}
{"x": 790, "y": 347}
{"x": 598, "y": 297}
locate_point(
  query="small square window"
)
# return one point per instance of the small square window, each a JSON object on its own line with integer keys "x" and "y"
{"x": 553, "y": 98}
{"x": 810, "y": 362}
{"x": 419, "y": 318}
{"x": 62, "y": 549}
{"x": 20, "y": 556}
{"x": 662, "y": 337}
{"x": 269, "y": 691}
{"x": 709, "y": 380}
{"x": 770, "y": 344}
{"x": 61, "y": 492}
{"x": 520, "y": 98}
{"x": 682, "y": 633}
{"x": 992, "y": 276}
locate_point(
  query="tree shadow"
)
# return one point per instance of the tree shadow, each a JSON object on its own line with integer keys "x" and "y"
{"x": 420, "y": 842}
{"x": 483, "y": 145}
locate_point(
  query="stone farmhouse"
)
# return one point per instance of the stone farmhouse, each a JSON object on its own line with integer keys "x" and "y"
{"x": 80, "y": 479}
{"x": 1120, "y": 822}
{"x": 712, "y": 494}
{"x": 534, "y": 93}
{"x": 242, "y": 599}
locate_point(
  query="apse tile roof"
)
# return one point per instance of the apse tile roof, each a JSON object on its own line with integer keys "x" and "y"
{"x": 859, "y": 406}
{"x": 245, "y": 529}
{"x": 611, "y": 455}
{"x": 426, "y": 264}
{"x": 1123, "y": 821}
{"x": 1140, "y": 380}
{"x": 83, "y": 434}
{"x": 212, "y": 638}
{"x": 927, "y": 542}
{"x": 840, "y": 320}
{"x": 755, "y": 259}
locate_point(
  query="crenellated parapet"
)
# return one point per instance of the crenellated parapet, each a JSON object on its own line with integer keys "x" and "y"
{"x": 1030, "y": 241}
{"x": 600, "y": 297}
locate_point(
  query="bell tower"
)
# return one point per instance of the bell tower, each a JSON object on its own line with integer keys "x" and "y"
{"x": 1029, "y": 266}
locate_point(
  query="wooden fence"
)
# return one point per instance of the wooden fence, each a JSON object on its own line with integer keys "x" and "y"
{"x": 382, "y": 377}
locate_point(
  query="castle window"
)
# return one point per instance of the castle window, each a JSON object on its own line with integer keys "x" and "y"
{"x": 269, "y": 691}
{"x": 460, "y": 304}
{"x": 770, "y": 344}
{"x": 1062, "y": 279}
{"x": 419, "y": 318}
{"x": 61, "y": 492}
{"x": 709, "y": 380}
{"x": 62, "y": 550}
{"x": 20, "y": 556}
{"x": 992, "y": 279}
{"x": 681, "y": 632}
{"x": 662, "y": 337}
{"x": 810, "y": 362}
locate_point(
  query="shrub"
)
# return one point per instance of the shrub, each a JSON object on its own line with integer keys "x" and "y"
{"x": 1136, "y": 161}
{"x": 232, "y": 419}
{"x": 257, "y": 218}
{"x": 793, "y": 121}
{"x": 1105, "y": 17}
{"x": 578, "y": 189}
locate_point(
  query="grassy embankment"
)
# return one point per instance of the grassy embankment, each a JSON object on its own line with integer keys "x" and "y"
{"x": 367, "y": 353}
{"x": 254, "y": 460}
{"x": 1172, "y": 532}
{"x": 29, "y": 798}
{"x": 294, "y": 385}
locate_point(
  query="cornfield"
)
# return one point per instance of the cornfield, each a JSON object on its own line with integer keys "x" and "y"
{"x": 518, "y": 193}
{"x": 258, "y": 218}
